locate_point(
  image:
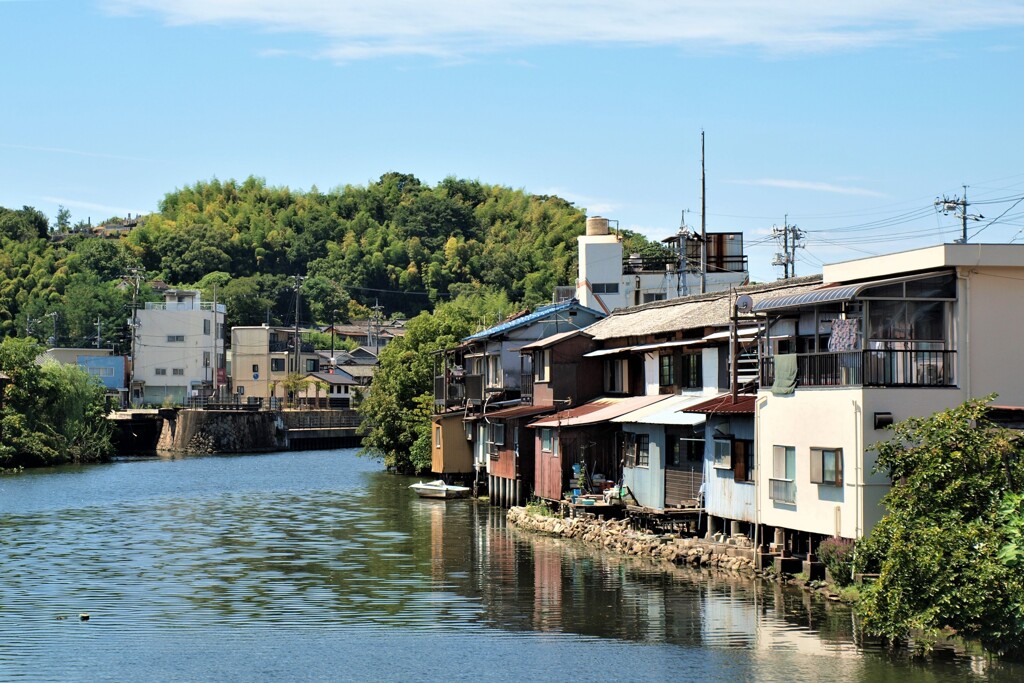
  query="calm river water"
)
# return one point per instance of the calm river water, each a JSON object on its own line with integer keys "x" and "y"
{"x": 317, "y": 566}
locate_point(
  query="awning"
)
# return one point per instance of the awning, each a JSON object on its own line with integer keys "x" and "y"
{"x": 667, "y": 344}
{"x": 725, "y": 334}
{"x": 816, "y": 296}
{"x": 608, "y": 352}
{"x": 833, "y": 293}
{"x": 666, "y": 412}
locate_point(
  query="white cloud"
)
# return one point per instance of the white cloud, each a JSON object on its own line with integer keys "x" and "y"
{"x": 453, "y": 29}
{"x": 73, "y": 152}
{"x": 809, "y": 186}
{"x": 593, "y": 205}
{"x": 105, "y": 209}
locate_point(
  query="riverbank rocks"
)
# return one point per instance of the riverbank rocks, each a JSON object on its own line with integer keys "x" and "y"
{"x": 616, "y": 535}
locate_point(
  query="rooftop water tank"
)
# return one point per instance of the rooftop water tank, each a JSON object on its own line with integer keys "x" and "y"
{"x": 596, "y": 225}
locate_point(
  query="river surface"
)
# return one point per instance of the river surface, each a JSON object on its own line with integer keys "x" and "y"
{"x": 318, "y": 566}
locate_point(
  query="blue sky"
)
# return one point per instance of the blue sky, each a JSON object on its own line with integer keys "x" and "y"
{"x": 849, "y": 118}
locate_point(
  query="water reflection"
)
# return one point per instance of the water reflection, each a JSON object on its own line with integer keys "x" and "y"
{"x": 213, "y": 550}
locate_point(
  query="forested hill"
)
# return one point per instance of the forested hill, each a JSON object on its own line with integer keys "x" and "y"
{"x": 396, "y": 241}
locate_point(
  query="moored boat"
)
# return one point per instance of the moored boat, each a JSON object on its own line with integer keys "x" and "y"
{"x": 440, "y": 490}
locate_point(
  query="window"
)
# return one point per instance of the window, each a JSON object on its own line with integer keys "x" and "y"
{"x": 743, "y": 460}
{"x": 206, "y": 359}
{"x": 437, "y": 437}
{"x": 542, "y": 366}
{"x": 255, "y": 368}
{"x": 782, "y": 488}
{"x": 178, "y": 372}
{"x": 175, "y": 337}
{"x": 241, "y": 389}
{"x": 666, "y": 370}
{"x": 160, "y": 371}
{"x": 643, "y": 450}
{"x": 547, "y": 440}
{"x": 723, "y": 454}
{"x": 495, "y": 439}
{"x": 615, "y": 376}
{"x": 101, "y": 372}
{"x": 495, "y": 378}
{"x": 685, "y": 448}
{"x": 277, "y": 364}
{"x": 691, "y": 374}
{"x": 311, "y": 365}
{"x": 206, "y": 327}
{"x": 653, "y": 296}
{"x": 827, "y": 466}
{"x": 605, "y": 287}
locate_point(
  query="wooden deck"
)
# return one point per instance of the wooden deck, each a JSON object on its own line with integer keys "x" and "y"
{"x": 676, "y": 520}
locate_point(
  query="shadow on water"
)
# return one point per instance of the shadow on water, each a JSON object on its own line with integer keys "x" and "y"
{"x": 320, "y": 554}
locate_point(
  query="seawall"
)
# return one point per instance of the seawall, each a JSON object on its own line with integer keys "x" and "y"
{"x": 202, "y": 431}
{"x": 617, "y": 535}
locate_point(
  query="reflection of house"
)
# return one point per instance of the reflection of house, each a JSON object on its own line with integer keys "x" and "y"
{"x": 607, "y": 281}
{"x": 486, "y": 373}
{"x": 885, "y": 338}
{"x": 179, "y": 348}
{"x": 262, "y": 358}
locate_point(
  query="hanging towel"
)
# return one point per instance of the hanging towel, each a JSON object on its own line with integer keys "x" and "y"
{"x": 785, "y": 374}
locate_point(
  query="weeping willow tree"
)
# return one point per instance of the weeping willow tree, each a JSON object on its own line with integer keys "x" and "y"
{"x": 52, "y": 413}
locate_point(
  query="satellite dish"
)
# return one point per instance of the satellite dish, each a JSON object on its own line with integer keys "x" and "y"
{"x": 744, "y": 304}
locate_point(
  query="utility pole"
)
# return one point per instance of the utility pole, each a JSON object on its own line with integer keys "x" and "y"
{"x": 99, "y": 331}
{"x": 959, "y": 208}
{"x": 791, "y": 236}
{"x": 134, "y": 323}
{"x": 298, "y": 286}
{"x": 377, "y": 308}
{"x": 213, "y": 363}
{"x": 703, "y": 222}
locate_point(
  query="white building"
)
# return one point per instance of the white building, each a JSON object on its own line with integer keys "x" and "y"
{"x": 179, "y": 348}
{"x": 607, "y": 281}
{"x": 883, "y": 339}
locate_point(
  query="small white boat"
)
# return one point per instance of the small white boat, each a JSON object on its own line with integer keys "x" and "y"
{"x": 439, "y": 489}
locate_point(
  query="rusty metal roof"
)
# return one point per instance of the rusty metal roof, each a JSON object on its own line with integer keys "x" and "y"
{"x": 519, "y": 411}
{"x": 723, "y": 404}
{"x": 599, "y": 410}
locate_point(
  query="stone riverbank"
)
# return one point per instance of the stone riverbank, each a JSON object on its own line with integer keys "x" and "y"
{"x": 617, "y": 535}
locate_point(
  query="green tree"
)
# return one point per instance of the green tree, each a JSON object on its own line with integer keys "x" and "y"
{"x": 52, "y": 413}
{"x": 396, "y": 414}
{"x": 941, "y": 551}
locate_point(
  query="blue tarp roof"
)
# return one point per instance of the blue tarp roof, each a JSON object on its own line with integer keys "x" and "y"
{"x": 530, "y": 318}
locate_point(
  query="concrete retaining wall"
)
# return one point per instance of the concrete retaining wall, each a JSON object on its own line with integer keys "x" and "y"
{"x": 202, "y": 431}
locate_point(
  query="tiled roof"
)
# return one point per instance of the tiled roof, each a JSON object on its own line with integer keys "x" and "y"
{"x": 691, "y": 312}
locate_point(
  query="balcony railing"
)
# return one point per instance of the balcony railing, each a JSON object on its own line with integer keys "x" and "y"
{"x": 782, "y": 490}
{"x": 872, "y": 368}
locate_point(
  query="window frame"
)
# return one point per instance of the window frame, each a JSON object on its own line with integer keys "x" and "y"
{"x": 666, "y": 369}
{"x": 817, "y": 460}
{"x": 721, "y": 460}
{"x": 743, "y": 461}
{"x": 277, "y": 365}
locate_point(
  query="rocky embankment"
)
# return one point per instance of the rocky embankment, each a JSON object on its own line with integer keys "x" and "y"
{"x": 618, "y": 536}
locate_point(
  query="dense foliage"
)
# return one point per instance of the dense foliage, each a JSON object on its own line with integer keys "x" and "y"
{"x": 396, "y": 242}
{"x": 52, "y": 413}
{"x": 948, "y": 552}
{"x": 396, "y": 414}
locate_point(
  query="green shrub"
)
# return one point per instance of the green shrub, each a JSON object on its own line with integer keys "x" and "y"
{"x": 837, "y": 555}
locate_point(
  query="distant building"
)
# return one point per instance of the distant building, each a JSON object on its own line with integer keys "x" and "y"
{"x": 262, "y": 358}
{"x": 608, "y": 281}
{"x": 179, "y": 348}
